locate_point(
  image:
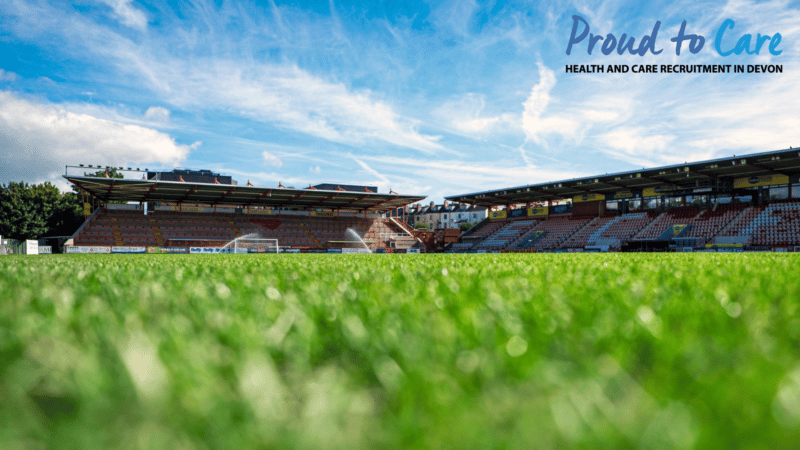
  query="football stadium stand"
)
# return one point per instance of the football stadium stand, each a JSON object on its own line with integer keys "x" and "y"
{"x": 198, "y": 214}
{"x": 131, "y": 228}
{"x": 777, "y": 224}
{"x": 731, "y": 204}
{"x": 581, "y": 238}
{"x": 739, "y": 203}
{"x": 505, "y": 234}
{"x": 556, "y": 230}
{"x": 676, "y": 216}
{"x": 619, "y": 229}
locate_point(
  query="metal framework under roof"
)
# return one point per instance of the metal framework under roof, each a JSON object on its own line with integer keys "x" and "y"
{"x": 713, "y": 176}
{"x": 131, "y": 190}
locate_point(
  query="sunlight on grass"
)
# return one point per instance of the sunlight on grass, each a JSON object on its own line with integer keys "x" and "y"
{"x": 393, "y": 351}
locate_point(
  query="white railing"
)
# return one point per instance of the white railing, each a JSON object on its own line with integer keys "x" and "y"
{"x": 403, "y": 227}
{"x": 124, "y": 206}
{"x": 389, "y": 236}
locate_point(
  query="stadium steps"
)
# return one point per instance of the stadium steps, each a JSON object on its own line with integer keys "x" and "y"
{"x": 475, "y": 228}
{"x": 495, "y": 223}
{"x": 234, "y": 227}
{"x": 731, "y": 224}
{"x": 491, "y": 240}
{"x": 523, "y": 236}
{"x": 578, "y": 231}
{"x": 397, "y": 227}
{"x": 644, "y": 230}
{"x": 530, "y": 239}
{"x": 402, "y": 225}
{"x": 311, "y": 235}
{"x": 599, "y": 232}
{"x": 118, "y": 241}
{"x": 404, "y": 238}
{"x": 156, "y": 231}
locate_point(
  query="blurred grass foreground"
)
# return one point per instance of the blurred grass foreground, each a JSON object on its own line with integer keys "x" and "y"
{"x": 647, "y": 351}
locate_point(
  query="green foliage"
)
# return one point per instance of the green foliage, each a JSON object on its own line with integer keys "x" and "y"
{"x": 33, "y": 211}
{"x": 421, "y": 226}
{"x": 465, "y": 226}
{"x": 600, "y": 351}
{"x": 112, "y": 173}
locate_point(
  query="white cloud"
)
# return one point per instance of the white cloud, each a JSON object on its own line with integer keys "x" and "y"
{"x": 211, "y": 66}
{"x": 271, "y": 160}
{"x": 534, "y": 122}
{"x": 127, "y": 14}
{"x": 38, "y": 140}
{"x": 596, "y": 115}
{"x": 478, "y": 125}
{"x": 465, "y": 115}
{"x": 315, "y": 170}
{"x": 455, "y": 177}
{"x": 454, "y": 16}
{"x": 289, "y": 97}
{"x": 157, "y": 114}
{"x": 382, "y": 181}
{"x": 637, "y": 146}
{"x": 7, "y": 76}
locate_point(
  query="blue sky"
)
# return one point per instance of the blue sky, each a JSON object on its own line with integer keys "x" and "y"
{"x": 431, "y": 98}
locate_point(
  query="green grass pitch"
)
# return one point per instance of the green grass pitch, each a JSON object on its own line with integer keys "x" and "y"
{"x": 650, "y": 351}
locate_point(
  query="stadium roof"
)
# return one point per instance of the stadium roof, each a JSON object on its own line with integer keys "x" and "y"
{"x": 681, "y": 179}
{"x": 130, "y": 190}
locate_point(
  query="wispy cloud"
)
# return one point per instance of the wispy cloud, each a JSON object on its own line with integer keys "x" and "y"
{"x": 465, "y": 114}
{"x": 127, "y": 14}
{"x": 157, "y": 114}
{"x": 534, "y": 121}
{"x": 382, "y": 181}
{"x": 467, "y": 176}
{"x": 271, "y": 160}
{"x": 7, "y": 76}
{"x": 179, "y": 68}
{"x": 437, "y": 98}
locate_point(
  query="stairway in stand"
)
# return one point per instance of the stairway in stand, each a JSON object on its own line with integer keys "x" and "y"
{"x": 235, "y": 228}
{"x": 118, "y": 241}
{"x": 156, "y": 232}
{"x": 311, "y": 235}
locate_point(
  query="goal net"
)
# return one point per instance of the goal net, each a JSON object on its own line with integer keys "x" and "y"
{"x": 254, "y": 245}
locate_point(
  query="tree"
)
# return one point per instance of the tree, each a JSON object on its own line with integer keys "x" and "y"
{"x": 421, "y": 226}
{"x": 464, "y": 226}
{"x": 67, "y": 215}
{"x": 111, "y": 171}
{"x": 30, "y": 212}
